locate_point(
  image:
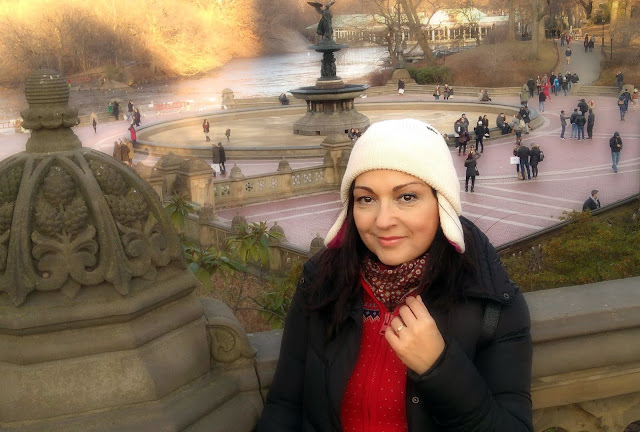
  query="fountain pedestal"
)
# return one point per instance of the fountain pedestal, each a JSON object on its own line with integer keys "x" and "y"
{"x": 330, "y": 103}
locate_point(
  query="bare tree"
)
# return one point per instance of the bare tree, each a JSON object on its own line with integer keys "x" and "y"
{"x": 412, "y": 10}
{"x": 539, "y": 9}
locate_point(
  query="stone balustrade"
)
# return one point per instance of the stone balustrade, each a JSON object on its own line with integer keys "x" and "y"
{"x": 586, "y": 365}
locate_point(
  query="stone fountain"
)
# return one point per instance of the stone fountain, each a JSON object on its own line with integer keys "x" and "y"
{"x": 330, "y": 103}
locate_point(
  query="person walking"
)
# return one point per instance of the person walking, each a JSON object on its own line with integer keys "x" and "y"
{"x": 391, "y": 341}
{"x": 542, "y": 97}
{"x": 567, "y": 54}
{"x": 136, "y": 117}
{"x": 591, "y": 119}
{"x": 622, "y": 105}
{"x": 580, "y": 122}
{"x": 563, "y": 123}
{"x": 94, "y": 122}
{"x": 574, "y": 126}
{"x": 223, "y": 158}
{"x": 592, "y": 203}
{"x": 205, "y": 129}
{"x": 524, "y": 153}
{"x": 471, "y": 165}
{"x": 615, "y": 142}
{"x": 479, "y": 132}
{"x": 535, "y": 157}
{"x": 130, "y": 111}
{"x": 565, "y": 85}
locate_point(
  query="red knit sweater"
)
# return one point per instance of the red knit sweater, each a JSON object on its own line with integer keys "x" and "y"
{"x": 374, "y": 400}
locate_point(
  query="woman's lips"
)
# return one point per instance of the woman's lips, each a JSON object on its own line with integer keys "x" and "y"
{"x": 389, "y": 241}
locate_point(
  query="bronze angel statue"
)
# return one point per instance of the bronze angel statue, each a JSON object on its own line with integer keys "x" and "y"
{"x": 325, "y": 29}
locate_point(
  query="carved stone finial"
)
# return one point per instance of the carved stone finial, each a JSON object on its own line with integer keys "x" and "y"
{"x": 317, "y": 244}
{"x": 49, "y": 116}
{"x": 237, "y": 222}
{"x": 283, "y": 166}
{"x": 277, "y": 229}
{"x": 236, "y": 173}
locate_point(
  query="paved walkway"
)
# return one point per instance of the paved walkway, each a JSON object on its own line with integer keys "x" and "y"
{"x": 503, "y": 206}
{"x": 585, "y": 64}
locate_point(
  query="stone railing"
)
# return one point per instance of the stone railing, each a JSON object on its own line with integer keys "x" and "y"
{"x": 586, "y": 365}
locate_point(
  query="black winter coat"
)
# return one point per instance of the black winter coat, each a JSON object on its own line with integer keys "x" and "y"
{"x": 535, "y": 156}
{"x": 470, "y": 388}
{"x": 471, "y": 165}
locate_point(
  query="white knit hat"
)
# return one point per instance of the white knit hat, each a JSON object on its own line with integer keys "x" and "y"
{"x": 412, "y": 147}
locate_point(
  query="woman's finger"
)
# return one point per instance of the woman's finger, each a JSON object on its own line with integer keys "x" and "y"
{"x": 418, "y": 307}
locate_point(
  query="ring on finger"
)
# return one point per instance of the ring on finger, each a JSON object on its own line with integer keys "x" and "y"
{"x": 400, "y": 327}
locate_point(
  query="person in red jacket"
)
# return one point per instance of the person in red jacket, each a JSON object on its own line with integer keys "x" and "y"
{"x": 388, "y": 328}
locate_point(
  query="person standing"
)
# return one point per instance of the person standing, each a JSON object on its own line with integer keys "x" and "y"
{"x": 436, "y": 92}
{"x": 565, "y": 85}
{"x": 117, "y": 155}
{"x": 134, "y": 135}
{"x": 531, "y": 85}
{"x": 130, "y": 110}
{"x": 535, "y": 158}
{"x": 580, "y": 122}
{"x": 619, "y": 80}
{"x": 563, "y": 123}
{"x": 574, "y": 126}
{"x": 94, "y": 122}
{"x": 485, "y": 123}
{"x": 583, "y": 107}
{"x": 136, "y": 117}
{"x": 471, "y": 165}
{"x": 567, "y": 54}
{"x": 464, "y": 122}
{"x": 615, "y": 142}
{"x": 400, "y": 87}
{"x": 541, "y": 98}
{"x": 517, "y": 125}
{"x": 592, "y": 203}
{"x": 205, "y": 129}
{"x": 479, "y": 132}
{"x": 116, "y": 110}
{"x": 125, "y": 152}
{"x": 446, "y": 91}
{"x": 524, "y": 153}
{"x": 591, "y": 119}
{"x": 463, "y": 139}
{"x": 223, "y": 158}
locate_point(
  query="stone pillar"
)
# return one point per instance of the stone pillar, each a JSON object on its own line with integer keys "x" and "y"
{"x": 275, "y": 252}
{"x": 285, "y": 185}
{"x": 168, "y": 168}
{"x": 198, "y": 177}
{"x": 336, "y": 146}
{"x": 237, "y": 183}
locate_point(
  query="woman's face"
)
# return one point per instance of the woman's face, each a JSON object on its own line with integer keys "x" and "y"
{"x": 396, "y": 215}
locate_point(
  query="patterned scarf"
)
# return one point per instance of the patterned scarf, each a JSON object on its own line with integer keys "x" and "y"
{"x": 391, "y": 284}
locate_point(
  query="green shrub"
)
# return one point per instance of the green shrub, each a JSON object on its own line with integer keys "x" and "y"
{"x": 587, "y": 250}
{"x": 432, "y": 75}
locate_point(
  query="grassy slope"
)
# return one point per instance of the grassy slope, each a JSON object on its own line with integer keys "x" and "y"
{"x": 501, "y": 65}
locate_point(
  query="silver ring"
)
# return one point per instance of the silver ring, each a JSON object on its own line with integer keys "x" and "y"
{"x": 400, "y": 327}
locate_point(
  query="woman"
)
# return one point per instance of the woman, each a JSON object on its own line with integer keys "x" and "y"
{"x": 446, "y": 91}
{"x": 472, "y": 170}
{"x": 136, "y": 117}
{"x": 383, "y": 331}
{"x": 93, "y": 119}
{"x": 534, "y": 159}
{"x": 463, "y": 139}
{"x": 436, "y": 92}
{"x": 485, "y": 123}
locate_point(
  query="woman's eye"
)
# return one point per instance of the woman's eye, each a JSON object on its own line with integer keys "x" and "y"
{"x": 408, "y": 197}
{"x": 364, "y": 199}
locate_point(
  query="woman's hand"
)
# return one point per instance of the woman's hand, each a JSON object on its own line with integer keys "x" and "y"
{"x": 418, "y": 343}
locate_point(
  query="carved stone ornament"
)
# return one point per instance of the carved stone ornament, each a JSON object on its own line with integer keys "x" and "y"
{"x": 72, "y": 217}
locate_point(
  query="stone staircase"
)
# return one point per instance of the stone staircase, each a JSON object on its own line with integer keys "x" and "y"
{"x": 588, "y": 90}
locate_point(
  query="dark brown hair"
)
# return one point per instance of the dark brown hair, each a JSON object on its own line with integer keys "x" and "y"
{"x": 335, "y": 285}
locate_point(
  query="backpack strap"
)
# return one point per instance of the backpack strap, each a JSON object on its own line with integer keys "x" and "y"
{"x": 489, "y": 323}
